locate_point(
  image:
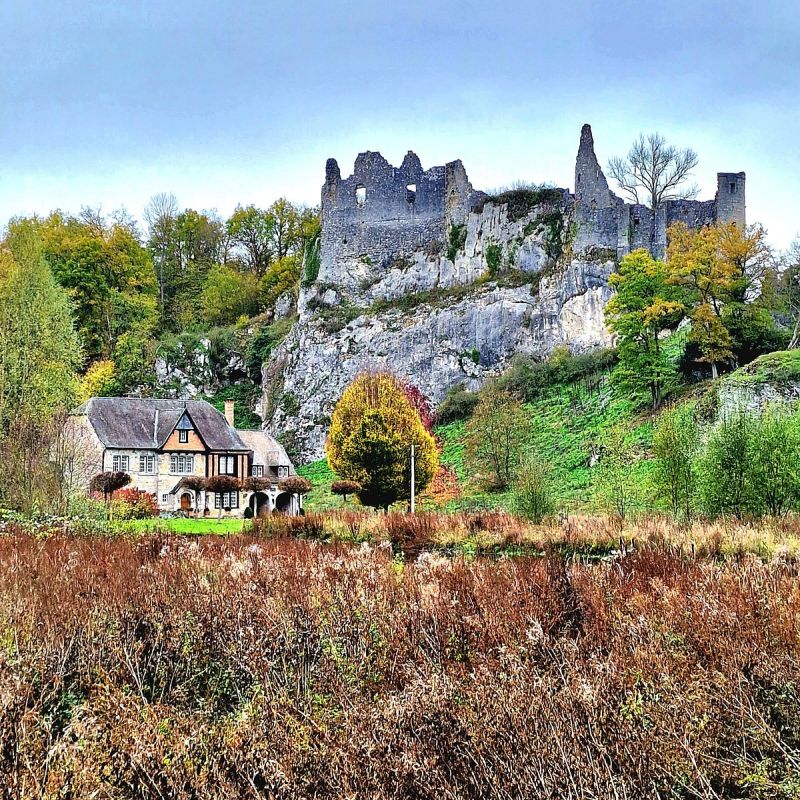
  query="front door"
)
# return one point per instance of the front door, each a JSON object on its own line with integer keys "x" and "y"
{"x": 186, "y": 502}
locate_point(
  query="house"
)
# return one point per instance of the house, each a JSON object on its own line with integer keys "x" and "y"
{"x": 163, "y": 444}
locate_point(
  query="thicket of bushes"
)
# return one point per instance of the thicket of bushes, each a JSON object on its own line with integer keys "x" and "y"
{"x": 162, "y": 667}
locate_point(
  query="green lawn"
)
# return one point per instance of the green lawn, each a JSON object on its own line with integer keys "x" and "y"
{"x": 182, "y": 525}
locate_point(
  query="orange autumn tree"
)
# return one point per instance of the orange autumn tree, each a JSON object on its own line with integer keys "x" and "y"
{"x": 719, "y": 267}
{"x": 372, "y": 429}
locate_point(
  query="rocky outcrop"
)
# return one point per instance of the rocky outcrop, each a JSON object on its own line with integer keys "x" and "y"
{"x": 424, "y": 276}
{"x": 438, "y": 322}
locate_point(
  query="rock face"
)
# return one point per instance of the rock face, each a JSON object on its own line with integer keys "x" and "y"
{"x": 424, "y": 276}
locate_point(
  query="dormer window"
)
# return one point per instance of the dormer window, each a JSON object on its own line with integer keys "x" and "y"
{"x": 183, "y": 427}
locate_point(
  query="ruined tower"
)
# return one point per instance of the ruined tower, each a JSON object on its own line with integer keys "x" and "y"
{"x": 730, "y": 198}
{"x": 591, "y": 186}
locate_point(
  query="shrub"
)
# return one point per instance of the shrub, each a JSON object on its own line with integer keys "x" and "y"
{"x": 494, "y": 255}
{"x": 134, "y": 504}
{"x": 726, "y": 464}
{"x": 458, "y": 404}
{"x": 106, "y": 483}
{"x": 532, "y": 495}
{"x": 344, "y": 488}
{"x": 675, "y": 443}
{"x": 521, "y": 200}
{"x": 495, "y": 438}
{"x": 295, "y": 485}
{"x": 159, "y": 667}
{"x": 456, "y": 240}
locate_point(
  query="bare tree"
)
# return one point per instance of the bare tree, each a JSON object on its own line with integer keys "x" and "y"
{"x": 792, "y": 278}
{"x": 654, "y": 171}
{"x": 160, "y": 215}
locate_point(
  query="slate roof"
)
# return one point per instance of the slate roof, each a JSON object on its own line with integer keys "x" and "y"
{"x": 138, "y": 423}
{"x": 266, "y": 450}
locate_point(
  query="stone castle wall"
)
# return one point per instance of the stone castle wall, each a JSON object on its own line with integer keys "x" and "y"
{"x": 605, "y": 221}
{"x": 381, "y": 212}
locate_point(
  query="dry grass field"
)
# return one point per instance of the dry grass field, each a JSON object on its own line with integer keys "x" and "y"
{"x": 267, "y": 666}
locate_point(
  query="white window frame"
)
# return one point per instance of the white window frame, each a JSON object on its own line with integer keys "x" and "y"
{"x": 283, "y": 472}
{"x": 229, "y": 500}
{"x": 165, "y": 499}
{"x": 227, "y": 465}
{"x": 147, "y": 463}
{"x": 183, "y": 436}
{"x": 120, "y": 463}
{"x": 181, "y": 464}
{"x": 257, "y": 471}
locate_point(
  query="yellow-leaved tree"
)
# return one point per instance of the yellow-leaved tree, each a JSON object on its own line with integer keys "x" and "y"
{"x": 372, "y": 429}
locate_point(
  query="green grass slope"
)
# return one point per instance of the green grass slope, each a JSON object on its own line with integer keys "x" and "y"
{"x": 567, "y": 422}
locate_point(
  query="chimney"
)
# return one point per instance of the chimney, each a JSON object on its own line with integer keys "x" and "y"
{"x": 229, "y": 412}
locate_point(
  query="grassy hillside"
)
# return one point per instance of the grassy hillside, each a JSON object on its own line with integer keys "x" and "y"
{"x": 569, "y": 421}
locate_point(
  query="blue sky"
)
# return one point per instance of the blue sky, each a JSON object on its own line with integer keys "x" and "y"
{"x": 105, "y": 103}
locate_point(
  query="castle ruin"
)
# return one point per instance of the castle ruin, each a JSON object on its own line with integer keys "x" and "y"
{"x": 424, "y": 276}
{"x": 382, "y": 211}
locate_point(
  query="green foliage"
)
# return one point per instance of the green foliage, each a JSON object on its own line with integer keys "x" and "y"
{"x": 725, "y": 466}
{"x": 532, "y": 493}
{"x": 106, "y": 271}
{"x": 495, "y": 438}
{"x": 227, "y": 295}
{"x": 529, "y": 379}
{"x": 458, "y": 404}
{"x": 312, "y": 259}
{"x": 749, "y": 466}
{"x": 443, "y": 297}
{"x": 643, "y": 307}
{"x": 39, "y": 350}
{"x": 134, "y": 362}
{"x": 100, "y": 380}
{"x": 264, "y": 340}
{"x": 282, "y": 277}
{"x": 456, "y": 239}
{"x": 372, "y": 429}
{"x": 244, "y": 396}
{"x": 522, "y": 200}
{"x": 250, "y": 230}
{"x": 615, "y": 485}
{"x": 775, "y": 467}
{"x": 290, "y": 404}
{"x": 779, "y": 369}
{"x": 675, "y": 444}
{"x": 494, "y": 257}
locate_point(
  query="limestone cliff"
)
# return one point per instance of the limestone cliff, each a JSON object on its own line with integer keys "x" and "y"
{"x": 424, "y": 276}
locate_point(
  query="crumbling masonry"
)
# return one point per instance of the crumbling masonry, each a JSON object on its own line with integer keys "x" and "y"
{"x": 382, "y": 211}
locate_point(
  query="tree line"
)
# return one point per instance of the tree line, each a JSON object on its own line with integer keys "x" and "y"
{"x": 86, "y": 298}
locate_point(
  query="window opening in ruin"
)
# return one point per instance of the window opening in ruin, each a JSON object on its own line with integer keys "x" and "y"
{"x": 361, "y": 196}
{"x": 733, "y": 188}
{"x": 411, "y": 192}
